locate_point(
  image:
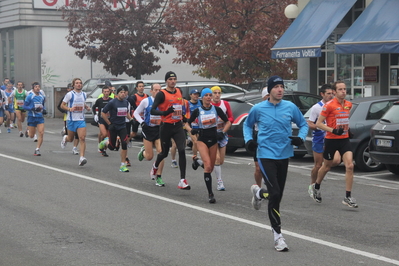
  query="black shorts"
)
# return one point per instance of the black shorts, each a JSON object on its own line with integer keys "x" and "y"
{"x": 150, "y": 133}
{"x": 135, "y": 126}
{"x": 209, "y": 142}
{"x": 333, "y": 145}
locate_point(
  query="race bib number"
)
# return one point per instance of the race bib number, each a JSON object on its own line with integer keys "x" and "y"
{"x": 208, "y": 121}
{"x": 178, "y": 113}
{"x": 121, "y": 111}
{"x": 78, "y": 107}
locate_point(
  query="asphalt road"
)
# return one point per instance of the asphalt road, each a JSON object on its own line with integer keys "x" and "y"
{"x": 53, "y": 212}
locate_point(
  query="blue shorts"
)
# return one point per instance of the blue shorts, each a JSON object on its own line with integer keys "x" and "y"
{"x": 34, "y": 121}
{"x": 318, "y": 147}
{"x": 74, "y": 125}
{"x": 1, "y": 112}
{"x": 224, "y": 141}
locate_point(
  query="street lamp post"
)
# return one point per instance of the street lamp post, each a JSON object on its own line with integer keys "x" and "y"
{"x": 89, "y": 49}
{"x": 291, "y": 11}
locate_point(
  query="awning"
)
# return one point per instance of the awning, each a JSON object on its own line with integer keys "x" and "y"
{"x": 376, "y": 31}
{"x": 311, "y": 29}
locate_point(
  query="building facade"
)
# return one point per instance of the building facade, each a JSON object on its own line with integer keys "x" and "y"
{"x": 356, "y": 41}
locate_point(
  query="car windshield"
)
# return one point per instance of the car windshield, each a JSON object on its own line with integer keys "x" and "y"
{"x": 392, "y": 114}
{"x": 96, "y": 92}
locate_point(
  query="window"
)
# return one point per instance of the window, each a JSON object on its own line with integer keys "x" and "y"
{"x": 378, "y": 109}
{"x": 394, "y": 74}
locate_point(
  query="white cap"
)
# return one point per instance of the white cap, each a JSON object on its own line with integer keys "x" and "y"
{"x": 264, "y": 92}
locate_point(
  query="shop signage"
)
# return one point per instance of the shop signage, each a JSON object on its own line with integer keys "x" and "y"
{"x": 56, "y": 4}
{"x": 296, "y": 53}
{"x": 370, "y": 74}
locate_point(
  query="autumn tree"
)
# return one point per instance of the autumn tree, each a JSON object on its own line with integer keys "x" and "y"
{"x": 230, "y": 39}
{"x": 122, "y": 34}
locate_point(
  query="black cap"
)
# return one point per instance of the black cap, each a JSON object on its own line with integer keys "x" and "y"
{"x": 170, "y": 74}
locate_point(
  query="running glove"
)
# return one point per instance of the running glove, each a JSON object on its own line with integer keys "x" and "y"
{"x": 220, "y": 136}
{"x": 338, "y": 131}
{"x": 194, "y": 131}
{"x": 251, "y": 145}
{"x": 170, "y": 110}
{"x": 297, "y": 141}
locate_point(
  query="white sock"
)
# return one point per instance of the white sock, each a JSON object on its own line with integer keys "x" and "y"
{"x": 200, "y": 162}
{"x": 122, "y": 164}
{"x": 276, "y": 236}
{"x": 218, "y": 172}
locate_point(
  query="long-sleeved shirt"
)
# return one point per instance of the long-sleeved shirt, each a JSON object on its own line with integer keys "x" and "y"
{"x": 274, "y": 128}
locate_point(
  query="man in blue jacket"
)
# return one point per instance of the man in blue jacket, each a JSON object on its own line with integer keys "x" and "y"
{"x": 274, "y": 147}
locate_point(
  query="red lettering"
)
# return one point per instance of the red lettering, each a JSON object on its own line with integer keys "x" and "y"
{"x": 50, "y": 3}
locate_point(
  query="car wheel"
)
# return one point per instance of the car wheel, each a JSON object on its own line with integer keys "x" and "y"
{"x": 231, "y": 149}
{"x": 363, "y": 160}
{"x": 393, "y": 168}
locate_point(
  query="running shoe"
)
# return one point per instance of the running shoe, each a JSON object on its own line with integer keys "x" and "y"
{"x": 63, "y": 142}
{"x": 140, "y": 155}
{"x": 174, "y": 164}
{"x": 123, "y": 168}
{"x": 195, "y": 163}
{"x": 159, "y": 182}
{"x": 82, "y": 161}
{"x": 183, "y": 184}
{"x": 310, "y": 191}
{"x": 280, "y": 244}
{"x": 256, "y": 203}
{"x": 8, "y": 130}
{"x": 102, "y": 144}
{"x": 35, "y": 138}
{"x": 212, "y": 198}
{"x": 75, "y": 151}
{"x": 316, "y": 194}
{"x": 26, "y": 133}
{"x": 127, "y": 162}
{"x": 21, "y": 134}
{"x": 350, "y": 202}
{"x": 37, "y": 153}
{"x": 153, "y": 172}
{"x": 220, "y": 186}
{"x": 104, "y": 153}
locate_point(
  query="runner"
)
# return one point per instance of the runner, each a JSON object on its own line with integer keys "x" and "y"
{"x": 207, "y": 117}
{"x": 19, "y": 98}
{"x": 96, "y": 109}
{"x": 150, "y": 131}
{"x": 34, "y": 104}
{"x": 74, "y": 103}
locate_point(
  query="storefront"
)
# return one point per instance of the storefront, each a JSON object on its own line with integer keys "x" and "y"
{"x": 352, "y": 40}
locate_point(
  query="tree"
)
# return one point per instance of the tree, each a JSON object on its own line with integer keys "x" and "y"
{"x": 230, "y": 39}
{"x": 122, "y": 34}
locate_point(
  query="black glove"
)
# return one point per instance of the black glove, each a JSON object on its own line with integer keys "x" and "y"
{"x": 350, "y": 134}
{"x": 111, "y": 127}
{"x": 38, "y": 109}
{"x": 251, "y": 145}
{"x": 338, "y": 131}
{"x": 194, "y": 131}
{"x": 297, "y": 141}
{"x": 6, "y": 106}
{"x": 170, "y": 110}
{"x": 220, "y": 136}
{"x": 44, "y": 112}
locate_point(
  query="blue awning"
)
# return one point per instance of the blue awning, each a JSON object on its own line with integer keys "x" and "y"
{"x": 311, "y": 29}
{"x": 376, "y": 31}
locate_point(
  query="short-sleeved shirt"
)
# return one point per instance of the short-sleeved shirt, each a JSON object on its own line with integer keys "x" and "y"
{"x": 118, "y": 111}
{"x": 337, "y": 116}
{"x": 318, "y": 134}
{"x": 76, "y": 100}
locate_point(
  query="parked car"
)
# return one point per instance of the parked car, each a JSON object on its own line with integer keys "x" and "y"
{"x": 364, "y": 114}
{"x": 240, "y": 109}
{"x": 384, "y": 141}
{"x": 91, "y": 84}
{"x": 93, "y": 96}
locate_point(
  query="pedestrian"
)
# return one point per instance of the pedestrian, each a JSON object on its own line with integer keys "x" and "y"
{"x": 150, "y": 131}
{"x": 274, "y": 148}
{"x": 336, "y": 115}
{"x": 169, "y": 104}
{"x": 117, "y": 110}
{"x": 318, "y": 135}
{"x": 207, "y": 117}
{"x": 74, "y": 103}
{"x": 34, "y": 104}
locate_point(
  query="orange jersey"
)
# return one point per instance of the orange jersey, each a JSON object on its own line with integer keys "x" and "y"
{"x": 337, "y": 116}
{"x": 175, "y": 99}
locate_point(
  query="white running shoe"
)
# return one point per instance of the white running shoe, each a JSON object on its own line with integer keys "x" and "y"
{"x": 220, "y": 186}
{"x": 75, "y": 151}
{"x": 256, "y": 203}
{"x": 280, "y": 244}
{"x": 63, "y": 142}
{"x": 183, "y": 184}
{"x": 153, "y": 172}
{"x": 35, "y": 138}
{"x": 82, "y": 161}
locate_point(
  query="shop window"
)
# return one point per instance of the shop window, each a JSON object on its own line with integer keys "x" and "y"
{"x": 394, "y": 74}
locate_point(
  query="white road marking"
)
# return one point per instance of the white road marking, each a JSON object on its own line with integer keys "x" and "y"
{"x": 220, "y": 214}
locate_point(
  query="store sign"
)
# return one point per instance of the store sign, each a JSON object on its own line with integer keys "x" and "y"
{"x": 56, "y": 4}
{"x": 371, "y": 74}
{"x": 296, "y": 53}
